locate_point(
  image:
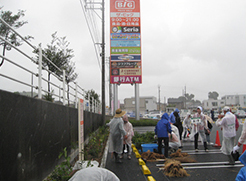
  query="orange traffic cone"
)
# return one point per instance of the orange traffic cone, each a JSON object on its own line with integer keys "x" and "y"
{"x": 244, "y": 148}
{"x": 217, "y": 142}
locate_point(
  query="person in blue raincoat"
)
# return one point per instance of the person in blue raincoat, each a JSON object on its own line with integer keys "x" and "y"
{"x": 241, "y": 176}
{"x": 162, "y": 129}
{"x": 172, "y": 117}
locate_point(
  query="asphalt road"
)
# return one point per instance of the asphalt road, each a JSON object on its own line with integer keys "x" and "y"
{"x": 210, "y": 165}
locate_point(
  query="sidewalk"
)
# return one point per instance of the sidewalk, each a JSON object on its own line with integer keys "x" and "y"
{"x": 129, "y": 170}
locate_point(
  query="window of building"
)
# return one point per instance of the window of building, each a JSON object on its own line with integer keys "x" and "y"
{"x": 133, "y": 102}
{"x": 214, "y": 104}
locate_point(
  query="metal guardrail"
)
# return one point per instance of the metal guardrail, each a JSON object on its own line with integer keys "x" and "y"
{"x": 59, "y": 85}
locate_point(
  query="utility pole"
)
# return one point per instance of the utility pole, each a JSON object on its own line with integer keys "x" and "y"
{"x": 185, "y": 95}
{"x": 103, "y": 66}
{"x": 110, "y": 88}
{"x": 159, "y": 97}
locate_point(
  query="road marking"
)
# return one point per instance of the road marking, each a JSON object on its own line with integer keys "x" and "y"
{"x": 215, "y": 166}
{"x": 201, "y": 163}
{"x": 202, "y": 153}
{"x": 192, "y": 151}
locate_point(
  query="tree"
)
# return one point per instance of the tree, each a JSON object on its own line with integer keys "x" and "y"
{"x": 70, "y": 76}
{"x": 213, "y": 95}
{"x": 189, "y": 97}
{"x": 182, "y": 98}
{"x": 93, "y": 94}
{"x": 8, "y": 35}
{"x": 59, "y": 56}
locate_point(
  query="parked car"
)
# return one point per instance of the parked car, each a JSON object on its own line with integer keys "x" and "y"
{"x": 132, "y": 115}
{"x": 152, "y": 116}
{"x": 240, "y": 114}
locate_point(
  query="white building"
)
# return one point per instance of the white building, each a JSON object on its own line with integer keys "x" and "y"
{"x": 227, "y": 100}
{"x": 145, "y": 103}
{"x": 213, "y": 104}
{"x": 235, "y": 100}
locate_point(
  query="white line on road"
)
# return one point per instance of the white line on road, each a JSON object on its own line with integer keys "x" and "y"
{"x": 213, "y": 150}
{"x": 201, "y": 163}
{"x": 211, "y": 166}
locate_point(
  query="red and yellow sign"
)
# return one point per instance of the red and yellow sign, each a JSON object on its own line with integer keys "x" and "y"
{"x": 125, "y": 40}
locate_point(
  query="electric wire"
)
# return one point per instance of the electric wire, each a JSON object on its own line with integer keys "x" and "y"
{"x": 93, "y": 40}
{"x": 92, "y": 30}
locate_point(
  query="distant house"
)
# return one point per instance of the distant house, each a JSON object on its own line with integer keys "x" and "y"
{"x": 177, "y": 103}
{"x": 213, "y": 104}
{"x": 227, "y": 100}
{"x": 235, "y": 100}
{"x": 145, "y": 104}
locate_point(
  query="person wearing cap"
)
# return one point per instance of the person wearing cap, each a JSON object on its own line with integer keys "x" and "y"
{"x": 229, "y": 133}
{"x": 200, "y": 129}
{"x": 162, "y": 129}
{"x": 117, "y": 132}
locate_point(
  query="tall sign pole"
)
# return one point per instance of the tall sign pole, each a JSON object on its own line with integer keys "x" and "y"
{"x": 81, "y": 128}
{"x": 125, "y": 44}
{"x": 103, "y": 65}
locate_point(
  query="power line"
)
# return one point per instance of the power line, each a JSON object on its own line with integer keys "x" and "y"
{"x": 92, "y": 37}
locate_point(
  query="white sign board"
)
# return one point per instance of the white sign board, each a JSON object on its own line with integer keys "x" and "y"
{"x": 196, "y": 120}
{"x": 81, "y": 128}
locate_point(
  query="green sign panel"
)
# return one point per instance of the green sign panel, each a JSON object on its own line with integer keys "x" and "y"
{"x": 125, "y": 50}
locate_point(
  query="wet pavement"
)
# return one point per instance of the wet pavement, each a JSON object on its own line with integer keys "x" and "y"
{"x": 210, "y": 165}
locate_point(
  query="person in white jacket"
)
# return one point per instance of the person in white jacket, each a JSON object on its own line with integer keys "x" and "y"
{"x": 117, "y": 134}
{"x": 198, "y": 128}
{"x": 174, "y": 140}
{"x": 130, "y": 133}
{"x": 229, "y": 133}
{"x": 95, "y": 174}
{"x": 242, "y": 139}
{"x": 187, "y": 124}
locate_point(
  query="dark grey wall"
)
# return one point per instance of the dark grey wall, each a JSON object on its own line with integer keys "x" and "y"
{"x": 33, "y": 132}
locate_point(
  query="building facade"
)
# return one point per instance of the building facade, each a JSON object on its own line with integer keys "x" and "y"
{"x": 235, "y": 100}
{"x": 213, "y": 104}
{"x": 146, "y": 104}
{"x": 227, "y": 100}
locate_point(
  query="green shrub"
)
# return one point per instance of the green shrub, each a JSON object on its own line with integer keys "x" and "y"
{"x": 139, "y": 139}
{"x": 95, "y": 147}
{"x": 62, "y": 171}
{"x": 142, "y": 122}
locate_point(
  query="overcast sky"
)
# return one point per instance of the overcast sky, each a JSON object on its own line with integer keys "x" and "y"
{"x": 197, "y": 44}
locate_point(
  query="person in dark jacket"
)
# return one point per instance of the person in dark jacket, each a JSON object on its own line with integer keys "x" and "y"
{"x": 178, "y": 122}
{"x": 162, "y": 129}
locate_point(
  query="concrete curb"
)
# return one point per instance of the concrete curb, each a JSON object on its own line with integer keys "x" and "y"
{"x": 105, "y": 154}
